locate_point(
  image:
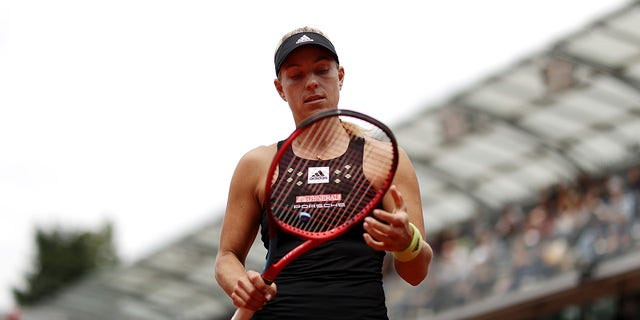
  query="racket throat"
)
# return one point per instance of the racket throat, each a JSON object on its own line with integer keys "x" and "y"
{"x": 271, "y": 272}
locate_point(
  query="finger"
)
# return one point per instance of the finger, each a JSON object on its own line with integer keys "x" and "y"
{"x": 397, "y": 219}
{"x": 384, "y": 235}
{"x": 268, "y": 290}
{"x": 378, "y": 236}
{"x": 391, "y": 229}
{"x": 373, "y": 243}
{"x": 398, "y": 200}
{"x": 250, "y": 293}
{"x": 242, "y": 298}
{"x": 273, "y": 289}
{"x": 263, "y": 290}
{"x": 371, "y": 224}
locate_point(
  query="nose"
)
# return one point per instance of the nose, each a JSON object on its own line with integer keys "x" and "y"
{"x": 312, "y": 82}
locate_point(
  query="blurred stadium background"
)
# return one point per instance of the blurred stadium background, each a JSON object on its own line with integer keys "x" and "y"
{"x": 531, "y": 190}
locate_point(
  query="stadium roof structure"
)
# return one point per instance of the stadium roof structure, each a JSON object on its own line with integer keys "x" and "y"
{"x": 572, "y": 108}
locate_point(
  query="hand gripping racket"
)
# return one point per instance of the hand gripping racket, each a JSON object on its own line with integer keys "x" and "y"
{"x": 329, "y": 174}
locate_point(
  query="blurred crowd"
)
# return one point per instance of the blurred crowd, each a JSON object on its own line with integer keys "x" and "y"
{"x": 571, "y": 226}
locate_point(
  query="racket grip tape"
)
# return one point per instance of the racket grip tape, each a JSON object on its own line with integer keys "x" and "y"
{"x": 242, "y": 314}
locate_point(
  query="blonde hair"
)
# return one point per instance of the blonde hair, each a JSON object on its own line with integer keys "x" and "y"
{"x": 353, "y": 129}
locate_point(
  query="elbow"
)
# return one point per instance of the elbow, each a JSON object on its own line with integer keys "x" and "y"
{"x": 415, "y": 271}
{"x": 416, "y": 278}
{"x": 411, "y": 272}
{"x": 415, "y": 282}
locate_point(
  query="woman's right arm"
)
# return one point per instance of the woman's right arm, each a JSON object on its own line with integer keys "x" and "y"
{"x": 239, "y": 228}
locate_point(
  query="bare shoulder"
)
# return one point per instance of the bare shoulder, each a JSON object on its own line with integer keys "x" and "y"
{"x": 403, "y": 155}
{"x": 258, "y": 157}
{"x": 252, "y": 168}
{"x": 246, "y": 192}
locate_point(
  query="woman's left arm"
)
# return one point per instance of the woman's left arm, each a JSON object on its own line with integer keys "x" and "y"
{"x": 394, "y": 228}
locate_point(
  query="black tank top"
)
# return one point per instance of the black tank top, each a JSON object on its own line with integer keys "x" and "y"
{"x": 340, "y": 279}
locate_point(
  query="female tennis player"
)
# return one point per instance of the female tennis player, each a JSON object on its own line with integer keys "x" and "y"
{"x": 341, "y": 278}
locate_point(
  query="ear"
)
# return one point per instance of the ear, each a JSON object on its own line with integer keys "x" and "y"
{"x": 340, "y": 76}
{"x": 278, "y": 86}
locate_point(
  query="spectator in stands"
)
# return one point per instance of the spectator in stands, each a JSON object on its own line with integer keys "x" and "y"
{"x": 510, "y": 221}
{"x": 633, "y": 192}
{"x": 590, "y": 220}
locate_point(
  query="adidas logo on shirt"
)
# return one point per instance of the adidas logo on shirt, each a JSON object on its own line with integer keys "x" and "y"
{"x": 303, "y": 39}
{"x": 318, "y": 175}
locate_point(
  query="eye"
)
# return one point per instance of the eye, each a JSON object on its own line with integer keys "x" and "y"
{"x": 323, "y": 70}
{"x": 296, "y": 75}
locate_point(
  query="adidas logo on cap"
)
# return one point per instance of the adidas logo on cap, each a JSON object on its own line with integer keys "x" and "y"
{"x": 304, "y": 39}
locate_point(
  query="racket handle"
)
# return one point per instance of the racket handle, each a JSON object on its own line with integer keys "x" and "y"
{"x": 242, "y": 314}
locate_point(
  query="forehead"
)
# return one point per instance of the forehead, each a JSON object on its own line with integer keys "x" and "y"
{"x": 307, "y": 54}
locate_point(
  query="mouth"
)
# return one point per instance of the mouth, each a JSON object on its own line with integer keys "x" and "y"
{"x": 312, "y": 99}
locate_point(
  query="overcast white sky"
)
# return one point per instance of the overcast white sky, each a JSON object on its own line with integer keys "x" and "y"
{"x": 136, "y": 111}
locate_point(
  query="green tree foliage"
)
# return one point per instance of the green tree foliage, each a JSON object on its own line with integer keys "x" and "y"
{"x": 64, "y": 256}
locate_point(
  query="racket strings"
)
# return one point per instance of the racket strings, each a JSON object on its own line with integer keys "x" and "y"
{"x": 340, "y": 215}
{"x": 292, "y": 164}
{"x": 308, "y": 143}
{"x": 377, "y": 156}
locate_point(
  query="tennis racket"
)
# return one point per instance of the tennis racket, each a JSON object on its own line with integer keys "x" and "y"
{"x": 329, "y": 174}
